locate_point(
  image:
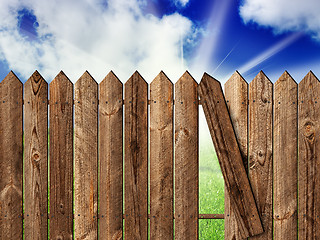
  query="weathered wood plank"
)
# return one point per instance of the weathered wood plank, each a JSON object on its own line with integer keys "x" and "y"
{"x": 85, "y": 157}
{"x": 61, "y": 157}
{"x": 136, "y": 158}
{"x": 260, "y": 148}
{"x": 111, "y": 157}
{"x": 11, "y": 158}
{"x": 229, "y": 156}
{"x": 186, "y": 158}
{"x": 309, "y": 157}
{"x": 285, "y": 158}
{"x": 161, "y": 158}
{"x": 236, "y": 93}
{"x": 36, "y": 157}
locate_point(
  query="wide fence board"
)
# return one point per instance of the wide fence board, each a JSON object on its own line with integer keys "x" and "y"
{"x": 36, "y": 157}
{"x": 186, "y": 158}
{"x": 61, "y": 157}
{"x": 285, "y": 158}
{"x": 136, "y": 158}
{"x": 260, "y": 148}
{"x": 309, "y": 158}
{"x": 85, "y": 158}
{"x": 110, "y": 157}
{"x": 11, "y": 158}
{"x": 236, "y": 94}
{"x": 161, "y": 158}
{"x": 229, "y": 156}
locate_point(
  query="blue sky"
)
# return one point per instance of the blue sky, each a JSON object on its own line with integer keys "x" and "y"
{"x": 215, "y": 36}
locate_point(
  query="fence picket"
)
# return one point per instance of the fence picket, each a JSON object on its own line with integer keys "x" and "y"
{"x": 260, "y": 148}
{"x": 86, "y": 158}
{"x": 309, "y": 157}
{"x": 136, "y": 158}
{"x": 61, "y": 157}
{"x": 236, "y": 94}
{"x": 186, "y": 158}
{"x": 11, "y": 158}
{"x": 161, "y": 158}
{"x": 110, "y": 157}
{"x": 285, "y": 156}
{"x": 36, "y": 157}
{"x": 229, "y": 156}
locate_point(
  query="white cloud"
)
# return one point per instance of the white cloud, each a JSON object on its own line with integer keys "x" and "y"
{"x": 181, "y": 3}
{"x": 284, "y": 15}
{"x": 79, "y": 35}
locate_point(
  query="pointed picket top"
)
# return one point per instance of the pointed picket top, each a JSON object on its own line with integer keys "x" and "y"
{"x": 209, "y": 80}
{"x": 111, "y": 80}
{"x": 11, "y": 78}
{"x": 236, "y": 79}
{"x": 261, "y": 77}
{"x": 160, "y": 81}
{"x": 309, "y": 79}
{"x": 61, "y": 78}
{"x": 187, "y": 77}
{"x": 86, "y": 81}
{"x": 136, "y": 79}
{"x": 285, "y": 82}
{"x": 36, "y": 82}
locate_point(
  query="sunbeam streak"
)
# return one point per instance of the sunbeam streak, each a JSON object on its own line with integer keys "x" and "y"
{"x": 269, "y": 52}
{"x": 224, "y": 59}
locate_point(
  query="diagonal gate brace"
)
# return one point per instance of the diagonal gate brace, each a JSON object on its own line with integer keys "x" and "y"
{"x": 229, "y": 156}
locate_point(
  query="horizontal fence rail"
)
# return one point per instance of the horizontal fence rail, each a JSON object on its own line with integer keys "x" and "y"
{"x": 93, "y": 138}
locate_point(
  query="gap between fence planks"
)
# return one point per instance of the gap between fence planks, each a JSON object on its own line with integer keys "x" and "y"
{"x": 229, "y": 156}
{"x": 11, "y": 157}
{"x": 236, "y": 94}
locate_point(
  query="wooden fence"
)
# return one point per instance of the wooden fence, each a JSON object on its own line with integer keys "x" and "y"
{"x": 90, "y": 136}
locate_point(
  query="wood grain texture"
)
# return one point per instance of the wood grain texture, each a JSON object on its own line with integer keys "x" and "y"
{"x": 161, "y": 158}
{"x": 260, "y": 148}
{"x": 229, "y": 156}
{"x": 61, "y": 157}
{"x": 11, "y": 158}
{"x": 285, "y": 158}
{"x": 86, "y": 158}
{"x": 309, "y": 157}
{"x": 186, "y": 158}
{"x": 236, "y": 94}
{"x": 111, "y": 157}
{"x": 36, "y": 157}
{"x": 136, "y": 158}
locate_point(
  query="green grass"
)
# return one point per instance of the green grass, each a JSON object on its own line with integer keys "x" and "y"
{"x": 211, "y": 192}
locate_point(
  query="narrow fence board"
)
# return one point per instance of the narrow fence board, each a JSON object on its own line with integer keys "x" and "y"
{"x": 110, "y": 157}
{"x": 236, "y": 93}
{"x": 260, "y": 148}
{"x": 11, "y": 158}
{"x": 136, "y": 158}
{"x": 86, "y": 158}
{"x": 36, "y": 157}
{"x": 285, "y": 158}
{"x": 186, "y": 158}
{"x": 161, "y": 158}
{"x": 309, "y": 158}
{"x": 61, "y": 157}
{"x": 229, "y": 156}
